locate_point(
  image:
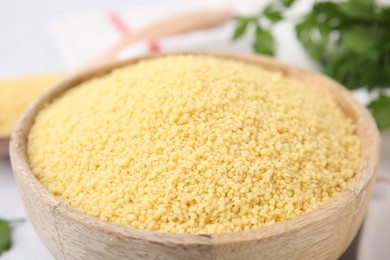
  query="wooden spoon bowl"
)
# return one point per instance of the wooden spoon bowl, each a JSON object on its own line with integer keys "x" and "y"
{"x": 4, "y": 141}
{"x": 323, "y": 233}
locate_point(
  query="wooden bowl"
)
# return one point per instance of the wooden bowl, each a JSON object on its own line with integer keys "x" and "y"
{"x": 323, "y": 233}
{"x": 4, "y": 141}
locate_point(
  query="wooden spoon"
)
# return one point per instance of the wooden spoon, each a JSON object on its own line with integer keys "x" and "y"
{"x": 182, "y": 23}
{"x": 187, "y": 22}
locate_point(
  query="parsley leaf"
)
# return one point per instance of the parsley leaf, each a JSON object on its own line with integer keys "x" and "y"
{"x": 264, "y": 41}
{"x": 5, "y": 233}
{"x": 273, "y": 13}
{"x": 288, "y": 3}
{"x": 314, "y": 36}
{"x": 380, "y": 109}
{"x": 5, "y": 236}
{"x": 241, "y": 26}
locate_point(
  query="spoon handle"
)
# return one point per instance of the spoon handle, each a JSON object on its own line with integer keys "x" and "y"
{"x": 186, "y": 22}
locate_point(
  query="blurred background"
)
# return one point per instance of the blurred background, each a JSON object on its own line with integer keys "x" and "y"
{"x": 43, "y": 36}
{"x": 46, "y": 36}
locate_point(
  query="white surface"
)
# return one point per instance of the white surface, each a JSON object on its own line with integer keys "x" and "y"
{"x": 26, "y": 242}
{"x": 26, "y": 46}
{"x": 79, "y": 37}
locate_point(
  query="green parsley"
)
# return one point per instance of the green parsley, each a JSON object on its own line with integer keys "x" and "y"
{"x": 5, "y": 234}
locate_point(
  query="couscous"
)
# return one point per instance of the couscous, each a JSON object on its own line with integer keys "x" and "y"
{"x": 193, "y": 144}
{"x": 17, "y": 93}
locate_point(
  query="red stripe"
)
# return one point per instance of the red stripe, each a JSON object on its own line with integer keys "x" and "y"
{"x": 383, "y": 179}
{"x": 154, "y": 46}
{"x": 118, "y": 23}
{"x": 123, "y": 29}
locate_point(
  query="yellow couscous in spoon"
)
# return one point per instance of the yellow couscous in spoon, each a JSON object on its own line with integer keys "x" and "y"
{"x": 15, "y": 95}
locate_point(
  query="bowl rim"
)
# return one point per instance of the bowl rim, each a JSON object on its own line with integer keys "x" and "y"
{"x": 366, "y": 128}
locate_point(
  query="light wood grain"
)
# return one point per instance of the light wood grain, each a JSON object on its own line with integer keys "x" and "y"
{"x": 4, "y": 140}
{"x": 177, "y": 24}
{"x": 321, "y": 234}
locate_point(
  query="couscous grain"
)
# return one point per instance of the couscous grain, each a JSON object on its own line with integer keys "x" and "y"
{"x": 17, "y": 93}
{"x": 193, "y": 144}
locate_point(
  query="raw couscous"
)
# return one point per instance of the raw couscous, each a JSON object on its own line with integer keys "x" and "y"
{"x": 17, "y": 93}
{"x": 193, "y": 144}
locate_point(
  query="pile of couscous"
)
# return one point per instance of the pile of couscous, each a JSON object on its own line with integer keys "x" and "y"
{"x": 17, "y": 93}
{"x": 193, "y": 144}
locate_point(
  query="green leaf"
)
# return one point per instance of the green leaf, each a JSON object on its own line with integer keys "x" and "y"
{"x": 383, "y": 15}
{"x": 362, "y": 58}
{"x": 241, "y": 26}
{"x": 314, "y": 36}
{"x": 272, "y": 13}
{"x": 366, "y": 3}
{"x": 357, "y": 9}
{"x": 351, "y": 50}
{"x": 5, "y": 236}
{"x": 354, "y": 70}
{"x": 380, "y": 109}
{"x": 384, "y": 77}
{"x": 264, "y": 41}
{"x": 361, "y": 38}
{"x": 5, "y": 233}
{"x": 288, "y": 3}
